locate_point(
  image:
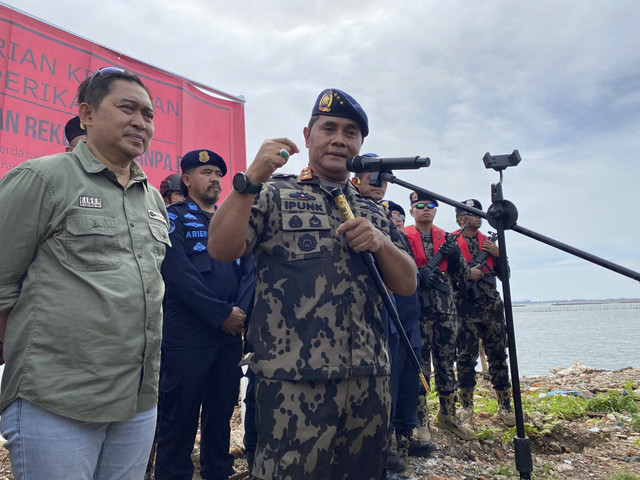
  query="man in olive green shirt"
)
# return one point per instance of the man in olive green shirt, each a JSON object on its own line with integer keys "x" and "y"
{"x": 83, "y": 237}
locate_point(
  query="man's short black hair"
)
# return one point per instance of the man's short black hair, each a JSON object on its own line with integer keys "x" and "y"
{"x": 93, "y": 89}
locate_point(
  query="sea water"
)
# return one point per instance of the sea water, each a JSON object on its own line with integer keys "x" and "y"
{"x": 599, "y": 335}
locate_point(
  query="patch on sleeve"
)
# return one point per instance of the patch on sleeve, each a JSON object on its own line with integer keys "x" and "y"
{"x": 156, "y": 216}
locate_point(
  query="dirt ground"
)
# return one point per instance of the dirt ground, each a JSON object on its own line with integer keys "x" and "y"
{"x": 595, "y": 448}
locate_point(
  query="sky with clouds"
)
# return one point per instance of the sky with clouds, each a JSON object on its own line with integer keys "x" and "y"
{"x": 558, "y": 80}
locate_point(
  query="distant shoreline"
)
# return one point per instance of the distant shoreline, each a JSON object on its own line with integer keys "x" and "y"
{"x": 577, "y": 301}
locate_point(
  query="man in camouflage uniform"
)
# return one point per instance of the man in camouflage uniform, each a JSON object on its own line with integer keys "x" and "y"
{"x": 438, "y": 322}
{"x": 321, "y": 361}
{"x": 481, "y": 317}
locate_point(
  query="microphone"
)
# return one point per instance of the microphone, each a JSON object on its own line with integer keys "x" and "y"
{"x": 360, "y": 163}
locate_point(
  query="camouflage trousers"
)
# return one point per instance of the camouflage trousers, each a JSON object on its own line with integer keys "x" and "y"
{"x": 439, "y": 336}
{"x": 325, "y": 429}
{"x": 484, "y": 323}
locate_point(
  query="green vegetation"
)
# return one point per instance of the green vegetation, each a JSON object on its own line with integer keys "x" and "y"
{"x": 615, "y": 401}
{"x": 624, "y": 476}
{"x": 550, "y": 411}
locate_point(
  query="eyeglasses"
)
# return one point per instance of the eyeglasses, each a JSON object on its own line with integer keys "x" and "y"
{"x": 397, "y": 215}
{"x": 104, "y": 70}
{"x": 429, "y": 205}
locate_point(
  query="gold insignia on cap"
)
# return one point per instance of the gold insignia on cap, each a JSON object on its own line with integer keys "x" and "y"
{"x": 469, "y": 202}
{"x": 325, "y": 102}
{"x": 414, "y": 197}
{"x": 306, "y": 174}
{"x": 203, "y": 156}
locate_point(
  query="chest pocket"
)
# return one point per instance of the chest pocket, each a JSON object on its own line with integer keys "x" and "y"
{"x": 161, "y": 241}
{"x": 92, "y": 242}
{"x": 306, "y": 228}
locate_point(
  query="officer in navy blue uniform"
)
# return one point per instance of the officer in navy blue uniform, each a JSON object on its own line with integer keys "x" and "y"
{"x": 206, "y": 305}
{"x": 405, "y": 384}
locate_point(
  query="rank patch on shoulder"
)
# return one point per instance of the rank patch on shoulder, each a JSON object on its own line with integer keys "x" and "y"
{"x": 199, "y": 247}
{"x": 307, "y": 243}
{"x": 89, "y": 202}
{"x": 302, "y": 196}
{"x": 306, "y": 174}
{"x": 295, "y": 222}
{"x": 190, "y": 216}
{"x": 172, "y": 215}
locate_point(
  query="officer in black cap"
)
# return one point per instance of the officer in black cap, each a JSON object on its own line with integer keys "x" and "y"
{"x": 74, "y": 131}
{"x": 205, "y": 310}
{"x": 438, "y": 318}
{"x": 171, "y": 189}
{"x": 397, "y": 214}
{"x": 481, "y": 318}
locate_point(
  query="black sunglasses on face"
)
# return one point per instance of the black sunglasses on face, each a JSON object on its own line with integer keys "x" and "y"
{"x": 429, "y": 205}
{"x": 104, "y": 70}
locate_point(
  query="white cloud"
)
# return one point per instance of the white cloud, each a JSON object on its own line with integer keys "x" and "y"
{"x": 558, "y": 80}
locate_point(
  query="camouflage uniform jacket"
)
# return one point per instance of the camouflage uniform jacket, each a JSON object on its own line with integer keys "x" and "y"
{"x": 316, "y": 313}
{"x": 489, "y": 294}
{"x": 456, "y": 271}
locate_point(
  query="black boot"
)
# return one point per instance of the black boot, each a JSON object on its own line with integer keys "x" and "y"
{"x": 413, "y": 447}
{"x": 395, "y": 463}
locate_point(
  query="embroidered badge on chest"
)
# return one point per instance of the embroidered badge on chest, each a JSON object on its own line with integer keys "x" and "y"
{"x": 302, "y": 196}
{"x": 199, "y": 247}
{"x": 89, "y": 202}
{"x": 315, "y": 222}
{"x": 307, "y": 243}
{"x": 295, "y": 222}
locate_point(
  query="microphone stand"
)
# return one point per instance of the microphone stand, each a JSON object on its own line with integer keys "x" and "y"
{"x": 369, "y": 261}
{"x": 502, "y": 215}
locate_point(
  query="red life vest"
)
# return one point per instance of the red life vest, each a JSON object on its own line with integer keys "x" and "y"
{"x": 415, "y": 240}
{"x": 464, "y": 248}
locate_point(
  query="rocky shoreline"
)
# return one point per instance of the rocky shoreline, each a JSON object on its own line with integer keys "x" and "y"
{"x": 591, "y": 445}
{"x": 596, "y": 445}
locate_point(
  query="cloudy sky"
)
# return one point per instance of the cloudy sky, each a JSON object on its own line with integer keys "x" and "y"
{"x": 558, "y": 80}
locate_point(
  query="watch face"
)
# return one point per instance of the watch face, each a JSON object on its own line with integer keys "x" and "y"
{"x": 239, "y": 182}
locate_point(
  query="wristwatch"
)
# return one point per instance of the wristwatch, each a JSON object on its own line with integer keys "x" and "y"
{"x": 241, "y": 184}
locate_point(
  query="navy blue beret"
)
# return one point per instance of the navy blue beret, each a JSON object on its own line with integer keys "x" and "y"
{"x": 336, "y": 103}
{"x": 197, "y": 158}
{"x": 73, "y": 128}
{"x": 416, "y": 197}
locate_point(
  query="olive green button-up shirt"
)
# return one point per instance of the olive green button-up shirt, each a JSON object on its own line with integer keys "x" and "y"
{"x": 80, "y": 264}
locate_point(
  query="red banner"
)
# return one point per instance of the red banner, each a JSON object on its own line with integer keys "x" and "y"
{"x": 41, "y": 67}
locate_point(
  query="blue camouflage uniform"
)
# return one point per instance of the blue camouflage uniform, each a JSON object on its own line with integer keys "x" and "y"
{"x": 199, "y": 361}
